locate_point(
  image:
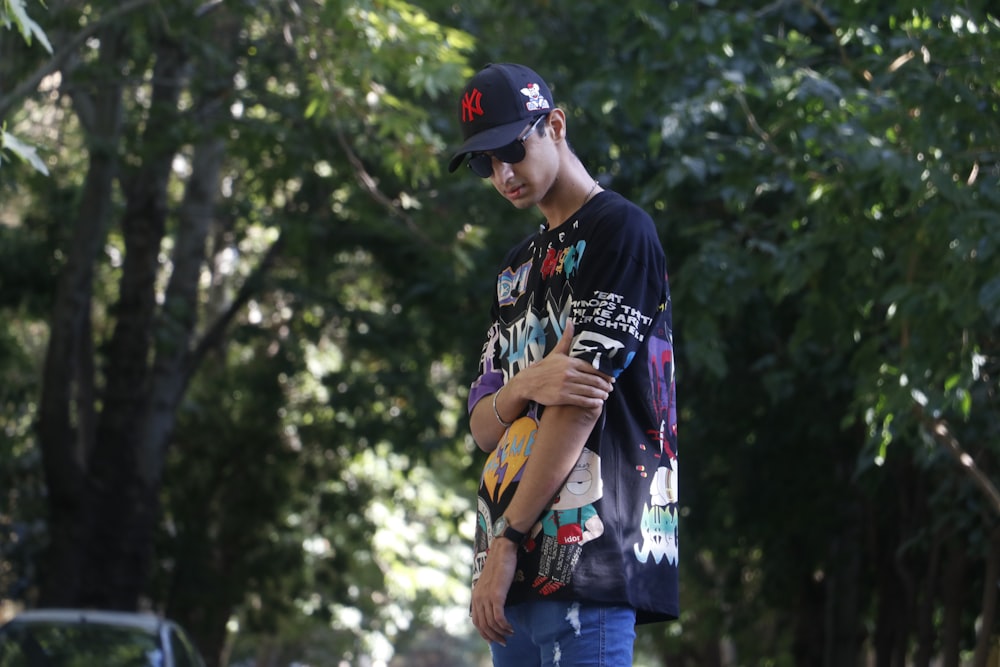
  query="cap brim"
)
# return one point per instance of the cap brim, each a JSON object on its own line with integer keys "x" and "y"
{"x": 487, "y": 140}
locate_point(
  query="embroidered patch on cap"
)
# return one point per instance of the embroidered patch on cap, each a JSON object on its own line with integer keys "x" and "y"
{"x": 536, "y": 100}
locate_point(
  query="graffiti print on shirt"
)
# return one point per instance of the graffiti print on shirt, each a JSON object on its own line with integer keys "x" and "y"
{"x": 523, "y": 341}
{"x": 658, "y": 524}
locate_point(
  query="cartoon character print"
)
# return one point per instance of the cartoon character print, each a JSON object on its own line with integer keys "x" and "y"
{"x": 536, "y": 101}
{"x": 503, "y": 468}
{"x": 569, "y": 523}
{"x": 506, "y": 464}
{"x": 658, "y": 525}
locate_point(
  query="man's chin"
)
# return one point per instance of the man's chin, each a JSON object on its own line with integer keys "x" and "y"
{"x": 522, "y": 203}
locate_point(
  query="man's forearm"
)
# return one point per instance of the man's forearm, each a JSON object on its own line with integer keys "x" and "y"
{"x": 562, "y": 433}
{"x": 485, "y": 423}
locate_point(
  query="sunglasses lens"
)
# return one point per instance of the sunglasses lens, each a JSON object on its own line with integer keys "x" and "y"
{"x": 512, "y": 153}
{"x": 481, "y": 165}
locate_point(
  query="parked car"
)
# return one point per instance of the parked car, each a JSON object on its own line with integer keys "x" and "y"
{"x": 88, "y": 638}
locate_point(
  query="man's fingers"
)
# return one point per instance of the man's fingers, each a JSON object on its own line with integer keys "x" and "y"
{"x": 493, "y": 627}
{"x": 500, "y": 622}
{"x": 585, "y": 373}
{"x": 566, "y": 340}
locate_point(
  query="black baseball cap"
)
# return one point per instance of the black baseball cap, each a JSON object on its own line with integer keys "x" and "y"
{"x": 496, "y": 104}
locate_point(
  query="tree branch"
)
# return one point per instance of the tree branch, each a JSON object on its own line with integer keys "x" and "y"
{"x": 213, "y": 337}
{"x": 754, "y": 125}
{"x": 825, "y": 20}
{"x": 366, "y": 181}
{"x": 938, "y": 429}
{"x": 59, "y": 58}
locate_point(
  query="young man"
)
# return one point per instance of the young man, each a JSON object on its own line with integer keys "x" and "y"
{"x": 576, "y": 537}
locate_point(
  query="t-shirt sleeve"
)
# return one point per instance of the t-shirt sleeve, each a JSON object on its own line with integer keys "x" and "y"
{"x": 490, "y": 377}
{"x": 619, "y": 288}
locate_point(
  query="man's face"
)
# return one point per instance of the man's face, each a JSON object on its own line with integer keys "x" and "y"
{"x": 526, "y": 182}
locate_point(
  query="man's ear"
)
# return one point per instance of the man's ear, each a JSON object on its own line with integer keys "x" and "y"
{"x": 557, "y": 124}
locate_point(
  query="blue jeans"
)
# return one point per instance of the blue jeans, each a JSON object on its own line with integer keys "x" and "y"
{"x": 567, "y": 634}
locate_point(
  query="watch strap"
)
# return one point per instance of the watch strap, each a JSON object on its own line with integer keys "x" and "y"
{"x": 504, "y": 529}
{"x": 515, "y": 536}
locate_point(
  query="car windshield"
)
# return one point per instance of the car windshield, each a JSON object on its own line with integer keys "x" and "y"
{"x": 77, "y": 645}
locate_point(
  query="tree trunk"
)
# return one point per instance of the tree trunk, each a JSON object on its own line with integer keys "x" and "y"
{"x": 67, "y": 386}
{"x": 808, "y": 643}
{"x": 842, "y": 631}
{"x": 842, "y": 635}
{"x": 926, "y": 604}
{"x": 175, "y": 360}
{"x": 895, "y": 582}
{"x": 173, "y": 365}
{"x": 988, "y": 608}
{"x": 953, "y": 600}
{"x": 205, "y": 618}
{"x": 119, "y": 545}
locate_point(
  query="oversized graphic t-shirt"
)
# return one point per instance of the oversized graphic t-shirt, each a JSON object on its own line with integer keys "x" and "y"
{"x": 610, "y": 535}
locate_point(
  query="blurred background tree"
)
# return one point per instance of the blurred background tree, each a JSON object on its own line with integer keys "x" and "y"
{"x": 245, "y": 303}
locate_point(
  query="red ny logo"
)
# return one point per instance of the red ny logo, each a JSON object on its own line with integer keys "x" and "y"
{"x": 472, "y": 106}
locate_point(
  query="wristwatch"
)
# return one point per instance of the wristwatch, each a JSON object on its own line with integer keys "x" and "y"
{"x": 502, "y": 529}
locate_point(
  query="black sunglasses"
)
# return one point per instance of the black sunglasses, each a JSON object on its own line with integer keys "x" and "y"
{"x": 481, "y": 164}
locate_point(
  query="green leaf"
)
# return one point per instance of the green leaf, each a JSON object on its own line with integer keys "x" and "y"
{"x": 24, "y": 151}
{"x": 26, "y": 25}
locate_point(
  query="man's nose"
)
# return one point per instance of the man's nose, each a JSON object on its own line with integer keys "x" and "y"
{"x": 502, "y": 169}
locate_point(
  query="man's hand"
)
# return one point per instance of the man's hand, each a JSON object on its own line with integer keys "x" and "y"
{"x": 557, "y": 379}
{"x": 560, "y": 379}
{"x": 490, "y": 592}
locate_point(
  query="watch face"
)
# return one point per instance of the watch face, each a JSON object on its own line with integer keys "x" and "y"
{"x": 502, "y": 529}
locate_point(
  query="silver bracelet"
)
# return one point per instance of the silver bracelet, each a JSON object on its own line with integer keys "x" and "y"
{"x": 497, "y": 412}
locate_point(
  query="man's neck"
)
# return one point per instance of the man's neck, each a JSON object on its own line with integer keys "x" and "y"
{"x": 567, "y": 195}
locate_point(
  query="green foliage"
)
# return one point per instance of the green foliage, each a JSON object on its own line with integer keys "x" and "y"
{"x": 22, "y": 151}
{"x": 22, "y": 494}
{"x": 825, "y": 181}
{"x": 15, "y": 12}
